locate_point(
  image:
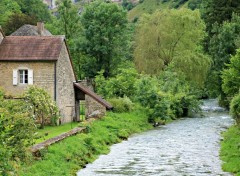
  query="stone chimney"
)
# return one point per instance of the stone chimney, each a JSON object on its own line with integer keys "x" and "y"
{"x": 40, "y": 28}
{"x": 1, "y": 35}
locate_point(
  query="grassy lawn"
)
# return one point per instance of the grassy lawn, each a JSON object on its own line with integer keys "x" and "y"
{"x": 66, "y": 157}
{"x": 230, "y": 150}
{"x": 52, "y": 131}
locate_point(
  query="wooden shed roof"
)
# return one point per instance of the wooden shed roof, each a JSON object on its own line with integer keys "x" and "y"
{"x": 31, "y": 48}
{"x": 93, "y": 95}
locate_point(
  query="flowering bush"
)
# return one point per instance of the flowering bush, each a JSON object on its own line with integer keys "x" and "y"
{"x": 42, "y": 105}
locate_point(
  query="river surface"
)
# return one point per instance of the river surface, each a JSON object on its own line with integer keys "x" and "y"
{"x": 186, "y": 147}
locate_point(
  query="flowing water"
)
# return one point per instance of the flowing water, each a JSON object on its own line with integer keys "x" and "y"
{"x": 186, "y": 147}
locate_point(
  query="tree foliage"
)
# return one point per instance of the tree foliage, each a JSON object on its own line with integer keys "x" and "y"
{"x": 164, "y": 101}
{"x": 7, "y": 8}
{"x": 69, "y": 19}
{"x": 218, "y": 11}
{"x": 231, "y": 76}
{"x": 235, "y": 108}
{"x": 17, "y": 20}
{"x": 35, "y": 8}
{"x": 105, "y": 27}
{"x": 171, "y": 37}
{"x": 17, "y": 132}
{"x": 123, "y": 84}
{"x": 222, "y": 45}
{"x": 194, "y": 4}
{"x": 15, "y": 13}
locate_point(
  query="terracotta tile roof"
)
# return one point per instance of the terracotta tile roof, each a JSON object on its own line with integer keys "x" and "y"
{"x": 93, "y": 95}
{"x": 31, "y": 48}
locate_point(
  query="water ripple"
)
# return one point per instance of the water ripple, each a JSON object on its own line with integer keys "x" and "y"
{"x": 186, "y": 147}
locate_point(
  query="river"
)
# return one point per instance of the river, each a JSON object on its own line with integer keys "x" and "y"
{"x": 185, "y": 147}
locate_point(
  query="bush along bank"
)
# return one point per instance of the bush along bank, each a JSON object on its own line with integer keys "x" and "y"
{"x": 230, "y": 146}
{"x": 73, "y": 153}
{"x": 230, "y": 150}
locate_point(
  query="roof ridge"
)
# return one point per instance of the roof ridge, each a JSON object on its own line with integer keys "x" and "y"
{"x": 28, "y": 36}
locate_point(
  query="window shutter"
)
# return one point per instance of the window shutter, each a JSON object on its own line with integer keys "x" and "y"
{"x": 15, "y": 77}
{"x": 30, "y": 77}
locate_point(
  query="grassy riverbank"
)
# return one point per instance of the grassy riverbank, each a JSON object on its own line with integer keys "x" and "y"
{"x": 230, "y": 150}
{"x": 73, "y": 153}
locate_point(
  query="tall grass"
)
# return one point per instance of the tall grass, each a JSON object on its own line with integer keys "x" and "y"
{"x": 73, "y": 153}
{"x": 230, "y": 150}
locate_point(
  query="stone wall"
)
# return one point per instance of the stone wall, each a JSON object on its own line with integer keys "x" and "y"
{"x": 43, "y": 76}
{"x": 92, "y": 107}
{"x": 65, "y": 96}
{"x": 1, "y": 35}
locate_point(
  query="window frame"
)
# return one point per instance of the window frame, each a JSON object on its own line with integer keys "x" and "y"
{"x": 23, "y": 76}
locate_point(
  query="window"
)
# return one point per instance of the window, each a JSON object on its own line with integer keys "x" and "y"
{"x": 23, "y": 75}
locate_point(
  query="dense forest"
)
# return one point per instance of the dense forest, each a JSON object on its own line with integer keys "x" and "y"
{"x": 161, "y": 55}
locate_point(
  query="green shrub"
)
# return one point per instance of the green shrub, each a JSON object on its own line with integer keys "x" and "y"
{"x": 122, "y": 104}
{"x": 43, "y": 107}
{"x": 230, "y": 76}
{"x": 168, "y": 97}
{"x": 123, "y": 84}
{"x": 146, "y": 91}
{"x": 230, "y": 150}
{"x": 17, "y": 133}
{"x": 161, "y": 110}
{"x": 235, "y": 108}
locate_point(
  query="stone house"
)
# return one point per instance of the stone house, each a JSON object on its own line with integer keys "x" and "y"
{"x": 32, "y": 56}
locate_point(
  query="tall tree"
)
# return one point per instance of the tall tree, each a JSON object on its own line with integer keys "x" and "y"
{"x": 17, "y": 20}
{"x": 171, "y": 37}
{"x": 35, "y": 8}
{"x": 69, "y": 19}
{"x": 215, "y": 12}
{"x": 105, "y": 27}
{"x": 222, "y": 45}
{"x": 67, "y": 22}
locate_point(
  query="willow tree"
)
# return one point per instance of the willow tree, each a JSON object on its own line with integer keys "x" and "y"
{"x": 171, "y": 37}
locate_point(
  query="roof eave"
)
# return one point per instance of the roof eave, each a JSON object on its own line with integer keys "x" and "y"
{"x": 94, "y": 96}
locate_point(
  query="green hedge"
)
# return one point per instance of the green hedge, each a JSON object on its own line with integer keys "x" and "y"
{"x": 122, "y": 104}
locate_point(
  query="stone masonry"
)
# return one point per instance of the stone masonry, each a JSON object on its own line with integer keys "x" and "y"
{"x": 65, "y": 91}
{"x": 92, "y": 107}
{"x": 1, "y": 35}
{"x": 43, "y": 76}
